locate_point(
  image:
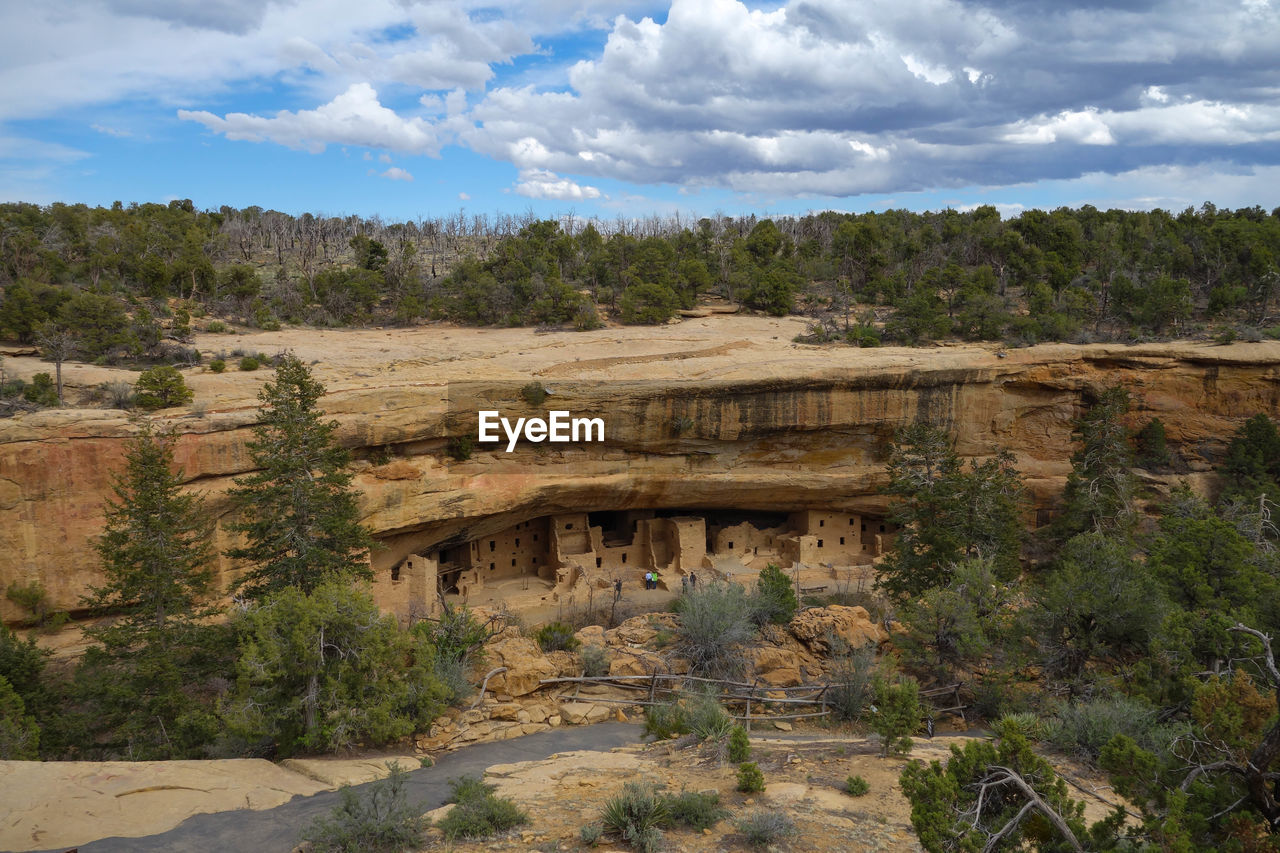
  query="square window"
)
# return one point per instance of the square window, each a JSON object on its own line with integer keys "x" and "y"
{"x": 599, "y": 562}
{"x": 730, "y": 544}
{"x": 819, "y": 543}
{"x": 517, "y": 541}
{"x": 624, "y": 558}
{"x": 395, "y": 573}
{"x": 513, "y": 561}
{"x": 841, "y": 540}
{"x": 822, "y": 522}
{"x": 569, "y": 526}
{"x": 491, "y": 567}
{"x": 492, "y": 546}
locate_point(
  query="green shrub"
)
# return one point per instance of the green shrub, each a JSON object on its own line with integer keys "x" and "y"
{"x": 533, "y": 393}
{"x": 707, "y": 718}
{"x": 459, "y": 448}
{"x": 898, "y": 713}
{"x": 160, "y": 388}
{"x": 695, "y": 810}
{"x": 1024, "y": 723}
{"x": 775, "y": 599}
{"x": 218, "y": 365}
{"x": 856, "y": 786}
{"x": 379, "y": 820}
{"x": 479, "y": 812}
{"x": 42, "y": 391}
{"x": 250, "y": 362}
{"x": 750, "y": 779}
{"x": 595, "y": 661}
{"x": 739, "y": 745}
{"x": 665, "y": 720}
{"x": 556, "y": 637}
{"x": 636, "y": 816}
{"x": 216, "y": 327}
{"x": 763, "y": 828}
{"x": 1085, "y": 728}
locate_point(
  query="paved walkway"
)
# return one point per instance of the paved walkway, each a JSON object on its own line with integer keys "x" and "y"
{"x": 278, "y": 829}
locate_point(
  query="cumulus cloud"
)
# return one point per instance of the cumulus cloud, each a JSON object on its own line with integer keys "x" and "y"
{"x": 795, "y": 98}
{"x": 395, "y": 173}
{"x": 353, "y": 118}
{"x": 539, "y": 183}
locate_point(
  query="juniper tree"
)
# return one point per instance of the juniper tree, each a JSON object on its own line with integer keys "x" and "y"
{"x": 946, "y": 513}
{"x": 155, "y": 555}
{"x": 298, "y": 511}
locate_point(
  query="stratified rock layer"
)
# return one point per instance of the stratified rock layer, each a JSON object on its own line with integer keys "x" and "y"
{"x": 719, "y": 412}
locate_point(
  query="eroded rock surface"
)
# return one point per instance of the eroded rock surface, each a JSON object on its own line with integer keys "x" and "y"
{"x": 716, "y": 412}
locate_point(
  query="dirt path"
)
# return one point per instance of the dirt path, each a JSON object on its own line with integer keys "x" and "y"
{"x": 278, "y": 829}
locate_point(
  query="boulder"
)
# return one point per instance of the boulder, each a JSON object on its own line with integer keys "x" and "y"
{"x": 583, "y": 713}
{"x": 641, "y": 630}
{"x": 636, "y": 662}
{"x": 592, "y": 635}
{"x": 777, "y": 667}
{"x": 815, "y": 627}
{"x": 526, "y": 666}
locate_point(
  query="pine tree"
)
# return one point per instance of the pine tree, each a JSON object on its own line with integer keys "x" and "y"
{"x": 299, "y": 512}
{"x": 155, "y": 555}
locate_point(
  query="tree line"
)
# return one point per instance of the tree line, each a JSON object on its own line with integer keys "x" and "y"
{"x": 129, "y": 282}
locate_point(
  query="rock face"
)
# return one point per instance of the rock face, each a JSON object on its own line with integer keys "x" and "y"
{"x": 819, "y": 627}
{"x": 713, "y": 413}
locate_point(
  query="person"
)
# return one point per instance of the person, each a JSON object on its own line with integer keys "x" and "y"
{"x": 693, "y": 580}
{"x": 684, "y": 583}
{"x": 617, "y": 590}
{"x": 648, "y": 580}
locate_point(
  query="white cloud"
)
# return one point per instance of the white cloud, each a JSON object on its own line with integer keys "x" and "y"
{"x": 395, "y": 173}
{"x": 464, "y": 197}
{"x": 1082, "y": 126}
{"x": 111, "y": 131}
{"x": 539, "y": 183}
{"x": 353, "y": 118}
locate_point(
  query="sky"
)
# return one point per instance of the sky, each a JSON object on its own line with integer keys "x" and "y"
{"x": 613, "y": 108}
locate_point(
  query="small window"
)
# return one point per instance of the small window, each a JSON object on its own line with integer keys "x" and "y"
{"x": 730, "y": 544}
{"x": 882, "y": 528}
{"x": 535, "y": 537}
{"x": 822, "y": 522}
{"x": 599, "y": 562}
{"x": 624, "y": 557}
{"x": 569, "y": 526}
{"x": 492, "y": 545}
{"x": 819, "y": 543}
{"x": 841, "y": 540}
{"x": 517, "y": 541}
{"x": 492, "y": 567}
{"x": 395, "y": 573}
{"x": 854, "y": 521}
{"x": 864, "y": 528}
{"x": 513, "y": 561}
{"x": 535, "y": 561}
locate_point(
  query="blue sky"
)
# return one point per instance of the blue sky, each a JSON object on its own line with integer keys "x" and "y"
{"x": 612, "y": 108}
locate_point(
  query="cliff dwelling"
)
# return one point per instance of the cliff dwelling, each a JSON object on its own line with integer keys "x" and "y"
{"x": 555, "y": 558}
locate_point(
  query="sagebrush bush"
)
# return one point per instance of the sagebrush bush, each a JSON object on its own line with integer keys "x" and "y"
{"x": 851, "y": 672}
{"x": 715, "y": 622}
{"x": 856, "y": 786}
{"x": 250, "y": 362}
{"x": 380, "y": 820}
{"x": 750, "y": 779}
{"x": 591, "y": 834}
{"x": 595, "y": 661}
{"x": 218, "y": 365}
{"x": 556, "y": 637}
{"x": 739, "y": 745}
{"x": 533, "y": 393}
{"x": 479, "y": 812}
{"x": 762, "y": 828}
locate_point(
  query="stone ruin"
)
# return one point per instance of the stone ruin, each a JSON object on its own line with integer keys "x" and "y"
{"x": 553, "y": 559}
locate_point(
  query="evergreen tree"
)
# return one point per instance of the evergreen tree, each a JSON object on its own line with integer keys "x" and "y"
{"x": 155, "y": 555}
{"x": 299, "y": 512}
{"x": 947, "y": 513}
{"x": 1100, "y": 487}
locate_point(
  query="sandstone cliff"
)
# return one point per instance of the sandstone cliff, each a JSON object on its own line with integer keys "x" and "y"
{"x": 719, "y": 412}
